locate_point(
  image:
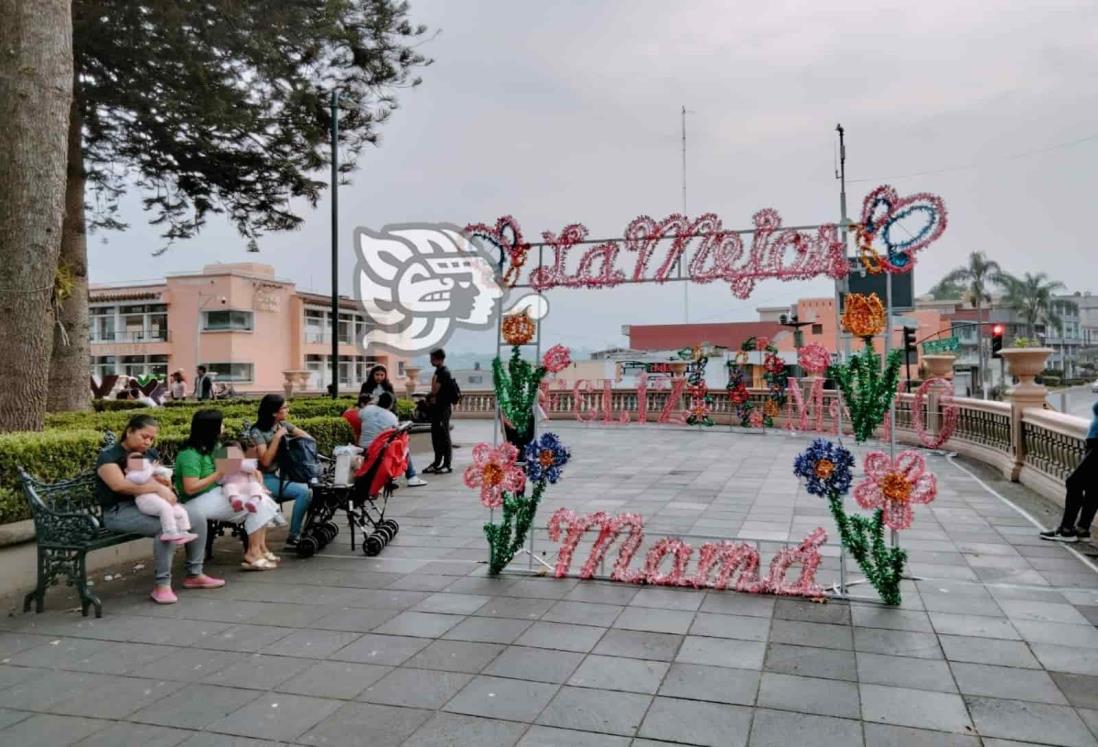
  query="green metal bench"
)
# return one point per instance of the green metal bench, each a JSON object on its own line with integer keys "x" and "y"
{"x": 68, "y": 524}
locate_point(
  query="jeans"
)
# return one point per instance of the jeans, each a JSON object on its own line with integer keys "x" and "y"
{"x": 1081, "y": 501}
{"x": 411, "y": 471}
{"x": 298, "y": 492}
{"x": 440, "y": 436}
{"x": 125, "y": 517}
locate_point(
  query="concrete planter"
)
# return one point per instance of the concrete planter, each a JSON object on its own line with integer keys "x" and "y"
{"x": 939, "y": 366}
{"x": 1026, "y": 364}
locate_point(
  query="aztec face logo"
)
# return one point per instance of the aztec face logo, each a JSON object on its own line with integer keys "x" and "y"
{"x": 418, "y": 282}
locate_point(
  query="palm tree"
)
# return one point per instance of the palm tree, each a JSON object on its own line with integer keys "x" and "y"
{"x": 974, "y": 278}
{"x": 1032, "y": 296}
{"x": 945, "y": 291}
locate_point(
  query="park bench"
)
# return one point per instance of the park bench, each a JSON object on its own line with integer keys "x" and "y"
{"x": 68, "y": 524}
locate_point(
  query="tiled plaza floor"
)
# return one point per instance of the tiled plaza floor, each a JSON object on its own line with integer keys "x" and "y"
{"x": 419, "y": 647}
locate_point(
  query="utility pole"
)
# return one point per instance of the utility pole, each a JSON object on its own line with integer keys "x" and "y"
{"x": 335, "y": 244}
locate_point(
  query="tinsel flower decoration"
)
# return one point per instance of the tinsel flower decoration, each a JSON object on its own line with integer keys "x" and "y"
{"x": 825, "y": 468}
{"x": 556, "y": 359}
{"x": 863, "y": 316}
{"x": 814, "y": 358}
{"x": 518, "y": 329}
{"x": 545, "y": 457}
{"x": 894, "y": 487}
{"x": 493, "y": 471}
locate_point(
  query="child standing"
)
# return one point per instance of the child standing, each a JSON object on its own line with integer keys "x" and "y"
{"x": 1081, "y": 501}
{"x": 175, "y": 525}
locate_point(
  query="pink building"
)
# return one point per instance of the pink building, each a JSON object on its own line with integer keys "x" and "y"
{"x": 240, "y": 321}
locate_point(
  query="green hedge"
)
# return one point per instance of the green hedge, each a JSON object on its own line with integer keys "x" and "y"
{"x": 61, "y": 452}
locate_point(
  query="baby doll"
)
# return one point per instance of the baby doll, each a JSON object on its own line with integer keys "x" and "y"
{"x": 175, "y": 525}
{"x": 242, "y": 483}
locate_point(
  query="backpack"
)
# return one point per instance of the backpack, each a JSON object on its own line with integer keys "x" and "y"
{"x": 455, "y": 391}
{"x": 450, "y": 392}
{"x": 298, "y": 460}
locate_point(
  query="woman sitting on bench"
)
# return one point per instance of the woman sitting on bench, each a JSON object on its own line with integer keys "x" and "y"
{"x": 120, "y": 513}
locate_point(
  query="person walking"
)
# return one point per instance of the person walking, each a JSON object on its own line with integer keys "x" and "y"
{"x": 442, "y": 401}
{"x": 203, "y": 384}
{"x": 1081, "y": 501}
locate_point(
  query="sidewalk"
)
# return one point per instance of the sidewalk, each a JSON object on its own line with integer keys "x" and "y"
{"x": 418, "y": 646}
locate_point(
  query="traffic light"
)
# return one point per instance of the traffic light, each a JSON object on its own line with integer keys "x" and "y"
{"x": 909, "y": 343}
{"x": 997, "y": 341}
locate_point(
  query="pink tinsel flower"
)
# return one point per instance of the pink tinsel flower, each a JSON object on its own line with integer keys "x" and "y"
{"x": 493, "y": 471}
{"x": 556, "y": 359}
{"x": 814, "y": 358}
{"x": 895, "y": 486}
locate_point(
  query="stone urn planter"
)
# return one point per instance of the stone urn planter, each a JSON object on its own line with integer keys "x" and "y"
{"x": 939, "y": 366}
{"x": 295, "y": 380}
{"x": 1026, "y": 364}
{"x": 678, "y": 368}
{"x": 410, "y": 383}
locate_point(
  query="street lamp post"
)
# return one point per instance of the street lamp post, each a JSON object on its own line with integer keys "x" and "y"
{"x": 790, "y": 320}
{"x": 204, "y": 300}
{"x": 335, "y": 244}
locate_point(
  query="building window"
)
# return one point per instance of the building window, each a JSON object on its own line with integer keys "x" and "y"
{"x": 817, "y": 329}
{"x": 235, "y": 372}
{"x": 103, "y": 365}
{"x": 227, "y": 319}
{"x": 400, "y": 368}
{"x": 346, "y": 329}
{"x": 478, "y": 379}
{"x": 314, "y": 325}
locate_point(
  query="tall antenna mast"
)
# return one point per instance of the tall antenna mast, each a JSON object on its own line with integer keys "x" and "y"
{"x": 685, "y": 286}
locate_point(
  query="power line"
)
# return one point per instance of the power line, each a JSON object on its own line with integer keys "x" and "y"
{"x": 979, "y": 164}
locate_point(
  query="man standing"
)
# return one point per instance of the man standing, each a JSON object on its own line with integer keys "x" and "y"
{"x": 443, "y": 397}
{"x": 203, "y": 385}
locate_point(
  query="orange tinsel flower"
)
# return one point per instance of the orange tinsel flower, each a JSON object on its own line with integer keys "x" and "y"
{"x": 864, "y": 316}
{"x": 518, "y": 329}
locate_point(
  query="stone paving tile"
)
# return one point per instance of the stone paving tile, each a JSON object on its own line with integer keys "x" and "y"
{"x": 604, "y": 711}
{"x": 655, "y": 620}
{"x": 415, "y": 688}
{"x": 583, "y": 613}
{"x": 735, "y": 603}
{"x": 890, "y": 618}
{"x": 618, "y": 673}
{"x": 493, "y": 697}
{"x": 1081, "y": 690}
{"x": 536, "y": 664}
{"x": 974, "y": 626}
{"x": 277, "y": 716}
{"x": 453, "y": 730}
{"x": 811, "y": 662}
{"x": 311, "y": 644}
{"x": 366, "y": 723}
{"x": 988, "y": 651}
{"x": 334, "y": 679}
{"x": 897, "y": 643}
{"x": 195, "y": 706}
{"x": 782, "y": 729}
{"x": 695, "y": 722}
{"x": 119, "y": 699}
{"x": 144, "y": 735}
{"x": 487, "y": 630}
{"x": 730, "y": 626}
{"x": 517, "y": 607}
{"x": 1083, "y": 636}
{"x": 380, "y": 649}
{"x": 561, "y": 636}
{"x": 51, "y": 731}
{"x": 902, "y": 671}
{"x": 258, "y": 671}
{"x": 548, "y": 736}
{"x": 818, "y": 635}
{"x": 809, "y": 695}
{"x": 1036, "y": 722}
{"x": 883, "y": 735}
{"x": 456, "y": 656}
{"x": 1004, "y": 682}
{"x": 915, "y": 708}
{"x": 667, "y": 599}
{"x": 724, "y": 652}
{"x": 1064, "y": 658}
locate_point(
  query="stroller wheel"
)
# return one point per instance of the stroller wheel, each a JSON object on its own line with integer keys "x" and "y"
{"x": 327, "y": 534}
{"x": 333, "y": 529}
{"x": 393, "y": 526}
{"x": 373, "y": 545}
{"x": 307, "y": 547}
{"x": 384, "y": 532}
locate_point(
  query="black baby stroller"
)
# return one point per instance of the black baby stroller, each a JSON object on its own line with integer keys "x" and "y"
{"x": 363, "y": 502}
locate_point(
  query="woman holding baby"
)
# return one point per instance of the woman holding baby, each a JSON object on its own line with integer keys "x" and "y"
{"x": 118, "y": 496}
{"x": 221, "y": 485}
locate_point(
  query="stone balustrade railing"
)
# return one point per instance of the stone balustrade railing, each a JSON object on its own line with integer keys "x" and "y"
{"x": 1030, "y": 445}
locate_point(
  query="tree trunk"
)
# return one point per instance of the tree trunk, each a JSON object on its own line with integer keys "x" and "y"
{"x": 36, "y": 73}
{"x": 980, "y": 346}
{"x": 69, "y": 370}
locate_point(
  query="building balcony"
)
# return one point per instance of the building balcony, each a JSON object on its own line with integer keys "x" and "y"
{"x": 130, "y": 337}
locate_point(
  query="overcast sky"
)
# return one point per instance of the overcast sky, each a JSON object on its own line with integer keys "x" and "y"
{"x": 569, "y": 112}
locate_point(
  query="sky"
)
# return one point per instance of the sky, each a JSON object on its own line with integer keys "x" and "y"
{"x": 567, "y": 112}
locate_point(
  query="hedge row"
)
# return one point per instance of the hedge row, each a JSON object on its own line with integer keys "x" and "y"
{"x": 60, "y": 453}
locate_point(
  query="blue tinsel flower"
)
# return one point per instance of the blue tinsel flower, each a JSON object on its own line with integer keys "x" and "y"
{"x": 825, "y": 468}
{"x": 545, "y": 457}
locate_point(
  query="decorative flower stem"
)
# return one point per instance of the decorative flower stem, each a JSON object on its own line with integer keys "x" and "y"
{"x": 506, "y": 538}
{"x": 864, "y": 538}
{"x": 867, "y": 389}
{"x": 517, "y": 388}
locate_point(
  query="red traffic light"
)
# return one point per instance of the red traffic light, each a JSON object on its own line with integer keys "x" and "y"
{"x": 997, "y": 330}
